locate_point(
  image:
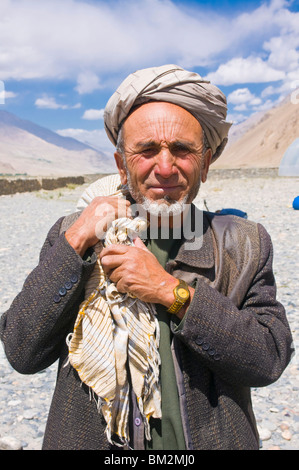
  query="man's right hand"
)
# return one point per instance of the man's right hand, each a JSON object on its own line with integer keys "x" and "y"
{"x": 95, "y": 220}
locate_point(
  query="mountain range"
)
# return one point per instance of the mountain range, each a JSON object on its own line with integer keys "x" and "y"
{"x": 27, "y": 148}
{"x": 261, "y": 140}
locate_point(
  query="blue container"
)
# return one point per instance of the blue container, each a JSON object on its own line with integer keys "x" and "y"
{"x": 296, "y": 203}
{"x": 236, "y": 212}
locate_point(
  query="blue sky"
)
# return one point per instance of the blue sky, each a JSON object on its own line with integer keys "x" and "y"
{"x": 60, "y": 60}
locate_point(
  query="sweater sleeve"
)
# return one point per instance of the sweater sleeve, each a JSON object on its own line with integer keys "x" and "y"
{"x": 250, "y": 345}
{"x": 40, "y": 317}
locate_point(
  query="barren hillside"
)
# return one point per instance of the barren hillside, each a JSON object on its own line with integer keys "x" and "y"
{"x": 26, "y": 148}
{"x": 264, "y": 141}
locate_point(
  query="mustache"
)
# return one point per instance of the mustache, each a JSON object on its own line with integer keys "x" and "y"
{"x": 167, "y": 208}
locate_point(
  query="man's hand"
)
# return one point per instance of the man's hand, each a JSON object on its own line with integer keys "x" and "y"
{"x": 95, "y": 220}
{"x": 136, "y": 270}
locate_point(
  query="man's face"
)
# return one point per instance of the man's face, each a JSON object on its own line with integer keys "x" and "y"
{"x": 163, "y": 147}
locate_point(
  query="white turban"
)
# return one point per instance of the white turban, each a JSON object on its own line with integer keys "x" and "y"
{"x": 175, "y": 85}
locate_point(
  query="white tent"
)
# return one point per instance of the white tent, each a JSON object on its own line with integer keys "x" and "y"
{"x": 289, "y": 165}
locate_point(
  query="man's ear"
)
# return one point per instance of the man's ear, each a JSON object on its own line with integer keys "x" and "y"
{"x": 207, "y": 158}
{"x": 121, "y": 167}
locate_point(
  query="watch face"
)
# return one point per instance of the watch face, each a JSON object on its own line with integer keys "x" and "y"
{"x": 183, "y": 293}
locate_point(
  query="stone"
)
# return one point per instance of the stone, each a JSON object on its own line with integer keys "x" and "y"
{"x": 30, "y": 414}
{"x": 10, "y": 443}
{"x": 274, "y": 410}
{"x": 287, "y": 435}
{"x": 14, "y": 403}
{"x": 265, "y": 434}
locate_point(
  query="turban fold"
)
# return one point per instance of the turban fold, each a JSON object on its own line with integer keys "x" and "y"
{"x": 172, "y": 84}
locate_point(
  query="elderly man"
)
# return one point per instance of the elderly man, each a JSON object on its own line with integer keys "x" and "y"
{"x": 207, "y": 325}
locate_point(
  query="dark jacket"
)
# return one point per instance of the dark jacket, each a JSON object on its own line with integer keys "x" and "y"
{"x": 235, "y": 335}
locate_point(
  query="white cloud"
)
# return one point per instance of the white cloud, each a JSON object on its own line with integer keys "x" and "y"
{"x": 290, "y": 83}
{"x": 48, "y": 102}
{"x": 240, "y": 70}
{"x": 241, "y": 107}
{"x": 94, "y": 44}
{"x": 236, "y": 118}
{"x": 283, "y": 53}
{"x": 275, "y": 90}
{"x": 93, "y": 114}
{"x": 293, "y": 77}
{"x": 85, "y": 41}
{"x": 96, "y": 138}
{"x": 242, "y": 96}
{"x": 273, "y": 32}
{"x": 263, "y": 20}
{"x": 264, "y": 106}
{"x": 87, "y": 83}
{"x": 6, "y": 95}
{"x": 10, "y": 94}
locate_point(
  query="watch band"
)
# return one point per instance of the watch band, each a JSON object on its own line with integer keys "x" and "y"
{"x": 175, "y": 307}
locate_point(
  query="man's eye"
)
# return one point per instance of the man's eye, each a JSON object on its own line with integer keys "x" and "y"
{"x": 180, "y": 150}
{"x": 149, "y": 152}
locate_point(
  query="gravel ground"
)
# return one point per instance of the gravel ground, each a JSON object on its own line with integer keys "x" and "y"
{"x": 26, "y": 219}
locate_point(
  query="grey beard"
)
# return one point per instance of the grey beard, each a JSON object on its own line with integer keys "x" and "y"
{"x": 162, "y": 209}
{"x": 157, "y": 208}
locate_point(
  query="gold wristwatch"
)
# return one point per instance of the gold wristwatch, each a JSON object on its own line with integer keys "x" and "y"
{"x": 182, "y": 295}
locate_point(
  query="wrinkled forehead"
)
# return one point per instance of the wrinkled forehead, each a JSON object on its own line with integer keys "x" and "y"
{"x": 161, "y": 121}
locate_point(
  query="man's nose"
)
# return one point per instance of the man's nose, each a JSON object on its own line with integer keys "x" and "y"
{"x": 165, "y": 164}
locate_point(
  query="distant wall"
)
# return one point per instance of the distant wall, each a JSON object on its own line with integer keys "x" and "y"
{"x": 12, "y": 186}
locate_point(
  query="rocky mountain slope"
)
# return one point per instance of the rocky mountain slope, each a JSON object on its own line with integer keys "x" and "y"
{"x": 26, "y": 148}
{"x": 261, "y": 141}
